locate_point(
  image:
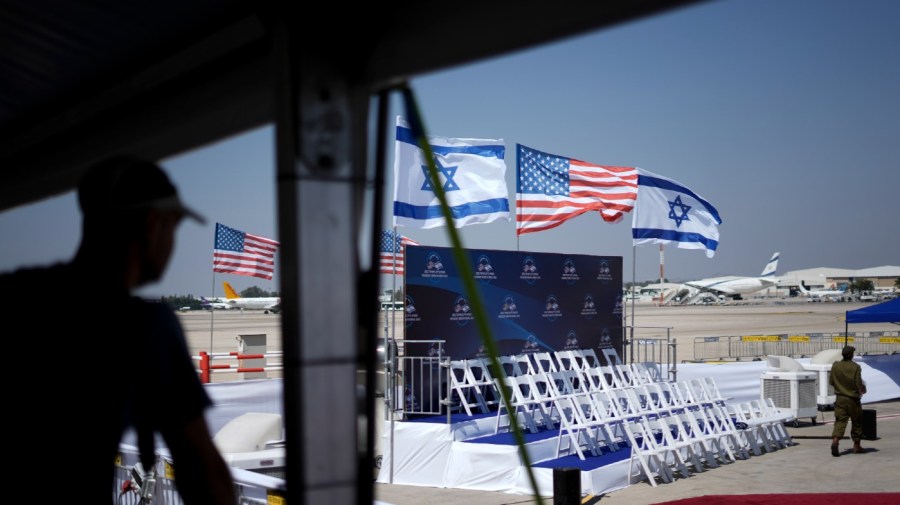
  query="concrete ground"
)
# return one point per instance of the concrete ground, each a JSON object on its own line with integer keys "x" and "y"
{"x": 806, "y": 467}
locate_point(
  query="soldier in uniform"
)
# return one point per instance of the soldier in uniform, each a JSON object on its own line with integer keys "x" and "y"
{"x": 846, "y": 379}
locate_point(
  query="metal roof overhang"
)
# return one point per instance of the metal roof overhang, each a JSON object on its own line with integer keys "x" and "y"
{"x": 85, "y": 78}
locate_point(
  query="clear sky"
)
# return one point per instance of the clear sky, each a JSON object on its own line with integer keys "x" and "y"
{"x": 785, "y": 115}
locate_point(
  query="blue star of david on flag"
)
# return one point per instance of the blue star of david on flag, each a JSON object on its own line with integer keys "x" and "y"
{"x": 473, "y": 180}
{"x": 448, "y": 172}
{"x": 667, "y": 212}
{"x": 682, "y": 207}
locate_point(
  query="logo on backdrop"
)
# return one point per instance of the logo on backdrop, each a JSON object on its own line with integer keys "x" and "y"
{"x": 605, "y": 273}
{"x": 462, "y": 311}
{"x": 569, "y": 275}
{"x": 551, "y": 308}
{"x": 484, "y": 272}
{"x": 434, "y": 267}
{"x": 529, "y": 270}
{"x": 530, "y": 345}
{"x": 571, "y": 340}
{"x": 605, "y": 339}
{"x": 589, "y": 309}
{"x": 411, "y": 315}
{"x": 434, "y": 350}
{"x": 481, "y": 352}
{"x": 617, "y": 310}
{"x": 509, "y": 310}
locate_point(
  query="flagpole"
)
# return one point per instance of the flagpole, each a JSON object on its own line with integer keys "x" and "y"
{"x": 633, "y": 283}
{"x": 394, "y": 286}
{"x": 212, "y": 312}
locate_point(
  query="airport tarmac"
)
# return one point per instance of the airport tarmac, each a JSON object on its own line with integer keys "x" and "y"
{"x": 220, "y": 330}
{"x": 805, "y": 467}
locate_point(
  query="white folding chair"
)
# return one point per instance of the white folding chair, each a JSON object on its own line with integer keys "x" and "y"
{"x": 578, "y": 417}
{"x": 597, "y": 379}
{"x": 508, "y": 363}
{"x": 652, "y": 457}
{"x": 578, "y": 357}
{"x": 646, "y": 372}
{"x": 591, "y": 358}
{"x": 778, "y": 417}
{"x": 468, "y": 392}
{"x": 625, "y": 375}
{"x": 565, "y": 360}
{"x": 611, "y": 356}
{"x": 704, "y": 431}
{"x": 527, "y": 405}
{"x": 674, "y": 437}
{"x": 760, "y": 435}
{"x": 712, "y": 391}
{"x": 522, "y": 364}
{"x": 701, "y": 393}
{"x": 544, "y": 362}
{"x": 732, "y": 441}
{"x": 480, "y": 376}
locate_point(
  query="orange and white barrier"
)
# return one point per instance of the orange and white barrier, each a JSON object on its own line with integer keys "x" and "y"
{"x": 207, "y": 368}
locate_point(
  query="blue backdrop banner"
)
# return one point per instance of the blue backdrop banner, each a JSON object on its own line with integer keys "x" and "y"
{"x": 535, "y": 302}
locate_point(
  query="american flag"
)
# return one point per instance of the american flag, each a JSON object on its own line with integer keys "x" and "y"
{"x": 552, "y": 189}
{"x": 241, "y": 253}
{"x": 392, "y": 251}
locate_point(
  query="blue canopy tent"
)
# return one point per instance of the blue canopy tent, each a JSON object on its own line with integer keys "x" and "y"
{"x": 885, "y": 312}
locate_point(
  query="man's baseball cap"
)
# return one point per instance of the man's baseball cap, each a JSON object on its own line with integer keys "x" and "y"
{"x": 848, "y": 351}
{"x": 124, "y": 182}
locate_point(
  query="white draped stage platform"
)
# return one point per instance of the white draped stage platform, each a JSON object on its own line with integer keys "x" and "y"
{"x": 465, "y": 453}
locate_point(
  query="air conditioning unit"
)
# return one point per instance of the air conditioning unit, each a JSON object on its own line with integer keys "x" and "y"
{"x": 790, "y": 387}
{"x": 821, "y": 364}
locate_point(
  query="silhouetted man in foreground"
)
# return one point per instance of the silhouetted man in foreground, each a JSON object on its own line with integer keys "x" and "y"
{"x": 106, "y": 361}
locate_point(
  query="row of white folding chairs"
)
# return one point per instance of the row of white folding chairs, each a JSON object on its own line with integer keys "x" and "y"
{"x": 591, "y": 420}
{"x": 620, "y": 374}
{"x": 472, "y": 383}
{"x": 763, "y": 420}
{"x": 764, "y": 423}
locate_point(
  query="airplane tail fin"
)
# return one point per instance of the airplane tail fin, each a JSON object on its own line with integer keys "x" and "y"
{"x": 771, "y": 266}
{"x": 230, "y": 293}
{"x": 803, "y": 288}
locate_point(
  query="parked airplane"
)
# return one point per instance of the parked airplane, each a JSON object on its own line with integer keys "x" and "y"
{"x": 733, "y": 286}
{"x": 264, "y": 303}
{"x": 813, "y": 294}
{"x": 215, "y": 304}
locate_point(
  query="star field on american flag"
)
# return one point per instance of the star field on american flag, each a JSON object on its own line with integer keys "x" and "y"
{"x": 545, "y": 173}
{"x": 237, "y": 252}
{"x": 552, "y": 189}
{"x": 392, "y": 249}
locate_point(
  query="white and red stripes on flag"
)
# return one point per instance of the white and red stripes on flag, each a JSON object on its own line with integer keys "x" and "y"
{"x": 393, "y": 251}
{"x": 552, "y": 189}
{"x": 236, "y": 252}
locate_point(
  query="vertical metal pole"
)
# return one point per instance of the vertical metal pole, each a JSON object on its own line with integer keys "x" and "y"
{"x": 633, "y": 283}
{"x": 322, "y": 177}
{"x": 212, "y": 313}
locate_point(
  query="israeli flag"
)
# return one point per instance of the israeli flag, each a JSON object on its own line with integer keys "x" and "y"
{"x": 667, "y": 211}
{"x": 472, "y": 173}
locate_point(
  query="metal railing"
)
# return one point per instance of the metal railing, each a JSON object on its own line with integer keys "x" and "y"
{"x": 156, "y": 486}
{"x": 652, "y": 344}
{"x": 725, "y": 348}
{"x": 415, "y": 384}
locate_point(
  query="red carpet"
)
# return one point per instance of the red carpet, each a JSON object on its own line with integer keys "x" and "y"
{"x": 792, "y": 499}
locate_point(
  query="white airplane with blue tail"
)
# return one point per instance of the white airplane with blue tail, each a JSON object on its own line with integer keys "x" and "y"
{"x": 733, "y": 286}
